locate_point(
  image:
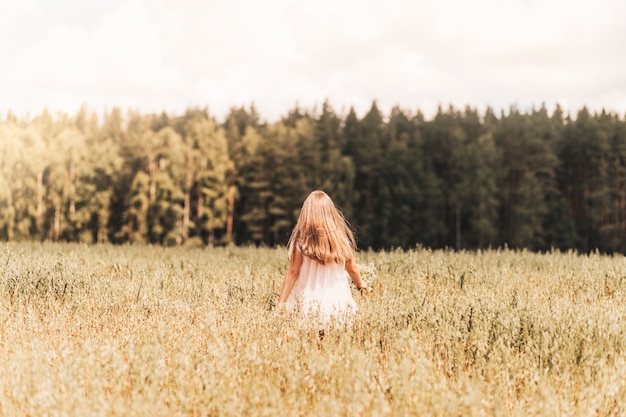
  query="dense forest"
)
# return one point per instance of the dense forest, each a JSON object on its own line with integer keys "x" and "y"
{"x": 462, "y": 180}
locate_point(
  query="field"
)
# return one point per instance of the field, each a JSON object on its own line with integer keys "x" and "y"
{"x": 149, "y": 331}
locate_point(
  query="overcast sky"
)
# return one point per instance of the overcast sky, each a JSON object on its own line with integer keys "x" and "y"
{"x": 157, "y": 55}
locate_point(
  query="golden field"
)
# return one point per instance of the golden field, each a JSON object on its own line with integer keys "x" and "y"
{"x": 150, "y": 331}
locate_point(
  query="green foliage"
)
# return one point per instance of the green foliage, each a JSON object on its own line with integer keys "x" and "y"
{"x": 461, "y": 180}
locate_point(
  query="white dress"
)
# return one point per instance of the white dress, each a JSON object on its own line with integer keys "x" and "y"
{"x": 321, "y": 294}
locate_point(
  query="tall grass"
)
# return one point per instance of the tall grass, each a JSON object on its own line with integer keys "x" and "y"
{"x": 147, "y": 331}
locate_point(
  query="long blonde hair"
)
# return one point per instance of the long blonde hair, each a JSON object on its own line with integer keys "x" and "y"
{"x": 322, "y": 233}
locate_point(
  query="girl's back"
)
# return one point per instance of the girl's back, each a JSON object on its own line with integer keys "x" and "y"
{"x": 322, "y": 292}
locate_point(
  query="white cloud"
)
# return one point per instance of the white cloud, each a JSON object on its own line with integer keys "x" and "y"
{"x": 63, "y": 59}
{"x": 157, "y": 55}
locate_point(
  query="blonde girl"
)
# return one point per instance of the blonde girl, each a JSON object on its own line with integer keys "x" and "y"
{"x": 321, "y": 250}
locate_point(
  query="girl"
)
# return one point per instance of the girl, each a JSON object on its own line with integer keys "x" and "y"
{"x": 321, "y": 248}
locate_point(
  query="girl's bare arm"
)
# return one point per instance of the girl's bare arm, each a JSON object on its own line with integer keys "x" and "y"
{"x": 290, "y": 277}
{"x": 353, "y": 270}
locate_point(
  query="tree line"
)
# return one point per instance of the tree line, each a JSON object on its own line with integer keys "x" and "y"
{"x": 465, "y": 180}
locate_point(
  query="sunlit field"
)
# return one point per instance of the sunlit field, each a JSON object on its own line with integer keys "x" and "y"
{"x": 149, "y": 331}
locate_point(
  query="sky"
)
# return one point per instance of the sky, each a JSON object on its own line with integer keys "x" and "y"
{"x": 157, "y": 55}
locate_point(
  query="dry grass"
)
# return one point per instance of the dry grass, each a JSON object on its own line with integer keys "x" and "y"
{"x": 142, "y": 331}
